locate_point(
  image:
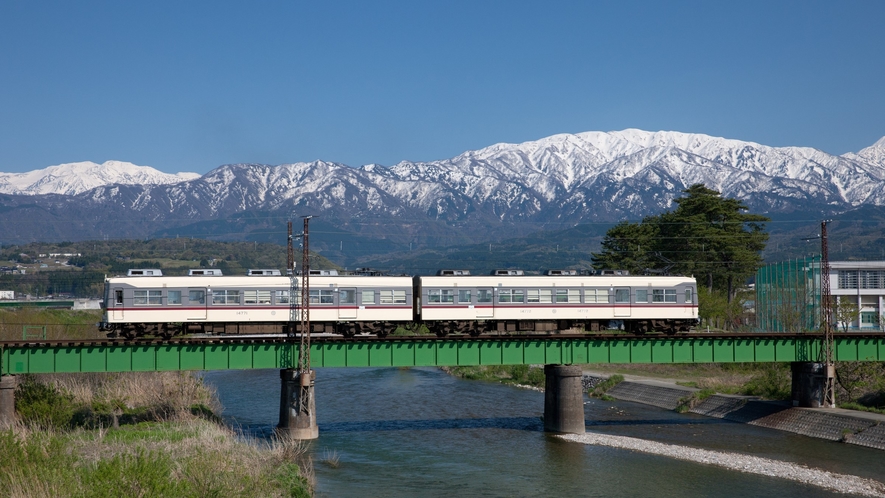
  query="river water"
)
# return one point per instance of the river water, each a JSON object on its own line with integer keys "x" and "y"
{"x": 420, "y": 432}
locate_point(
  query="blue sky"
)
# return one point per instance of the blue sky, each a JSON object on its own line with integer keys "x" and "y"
{"x": 188, "y": 86}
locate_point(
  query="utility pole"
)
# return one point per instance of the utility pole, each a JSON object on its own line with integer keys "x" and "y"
{"x": 297, "y": 402}
{"x": 827, "y": 312}
{"x": 304, "y": 351}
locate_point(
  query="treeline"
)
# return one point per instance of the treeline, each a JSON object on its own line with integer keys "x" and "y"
{"x": 97, "y": 259}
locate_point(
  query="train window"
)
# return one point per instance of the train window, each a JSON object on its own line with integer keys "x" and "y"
{"x": 574, "y": 295}
{"x": 385, "y": 296}
{"x": 596, "y": 296}
{"x": 368, "y": 297}
{"x": 511, "y": 296}
{"x": 173, "y": 297}
{"x": 347, "y": 296}
{"x": 145, "y": 297}
{"x": 484, "y": 296}
{"x": 282, "y": 297}
{"x": 688, "y": 296}
{"x": 622, "y": 295}
{"x": 264, "y": 297}
{"x": 225, "y": 297}
{"x": 196, "y": 297}
{"x": 532, "y": 296}
{"x": 250, "y": 297}
{"x": 670, "y": 295}
{"x": 118, "y": 296}
{"x": 561, "y": 295}
{"x": 464, "y": 296}
{"x": 441, "y": 296}
{"x": 321, "y": 297}
{"x": 399, "y": 297}
{"x": 657, "y": 295}
{"x": 641, "y": 296}
{"x": 546, "y": 296}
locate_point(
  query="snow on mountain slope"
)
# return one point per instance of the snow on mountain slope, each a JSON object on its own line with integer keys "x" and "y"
{"x": 74, "y": 178}
{"x": 561, "y": 179}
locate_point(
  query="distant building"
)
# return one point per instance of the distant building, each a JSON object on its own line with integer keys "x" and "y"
{"x": 788, "y": 294}
{"x": 6, "y": 294}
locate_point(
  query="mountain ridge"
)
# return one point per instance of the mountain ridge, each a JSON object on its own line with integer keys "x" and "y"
{"x": 501, "y": 190}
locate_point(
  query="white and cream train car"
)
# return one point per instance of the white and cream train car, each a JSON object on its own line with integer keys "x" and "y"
{"x": 510, "y": 302}
{"x": 147, "y": 303}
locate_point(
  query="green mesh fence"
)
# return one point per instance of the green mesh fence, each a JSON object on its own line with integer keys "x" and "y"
{"x": 788, "y": 296}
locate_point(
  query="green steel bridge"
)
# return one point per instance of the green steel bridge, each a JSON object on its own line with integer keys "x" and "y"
{"x": 281, "y": 353}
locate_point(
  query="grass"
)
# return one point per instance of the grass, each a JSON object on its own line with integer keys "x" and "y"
{"x": 601, "y": 388}
{"x": 60, "y": 323}
{"x": 168, "y": 443}
{"x": 857, "y": 406}
{"x": 525, "y": 375}
{"x": 193, "y": 458}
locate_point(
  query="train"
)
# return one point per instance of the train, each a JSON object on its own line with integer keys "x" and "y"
{"x": 146, "y": 303}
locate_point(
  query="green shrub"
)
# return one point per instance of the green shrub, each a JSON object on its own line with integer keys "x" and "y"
{"x": 43, "y": 405}
{"x": 601, "y": 388}
{"x": 772, "y": 381}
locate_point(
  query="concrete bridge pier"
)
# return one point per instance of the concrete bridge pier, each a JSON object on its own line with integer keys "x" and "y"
{"x": 808, "y": 383}
{"x": 563, "y": 399}
{"x": 7, "y": 400}
{"x": 298, "y": 419}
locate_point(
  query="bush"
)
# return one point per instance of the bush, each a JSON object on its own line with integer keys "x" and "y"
{"x": 43, "y": 405}
{"x": 773, "y": 381}
{"x": 601, "y": 388}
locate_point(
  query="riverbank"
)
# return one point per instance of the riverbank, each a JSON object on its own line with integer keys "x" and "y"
{"x": 841, "y": 483}
{"x": 834, "y": 424}
{"x": 140, "y": 434}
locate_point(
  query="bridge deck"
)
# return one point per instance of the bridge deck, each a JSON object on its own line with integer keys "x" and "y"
{"x": 44, "y": 357}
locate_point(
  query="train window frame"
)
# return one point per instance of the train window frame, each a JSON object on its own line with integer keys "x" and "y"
{"x": 173, "y": 297}
{"x": 669, "y": 295}
{"x": 657, "y": 295}
{"x": 546, "y": 296}
{"x": 147, "y": 297}
{"x": 399, "y": 296}
{"x": 465, "y": 296}
{"x": 346, "y": 296}
{"x": 118, "y": 296}
{"x": 321, "y": 296}
{"x": 561, "y": 296}
{"x": 250, "y": 296}
{"x": 641, "y": 295}
{"x": 281, "y": 296}
{"x": 367, "y": 296}
{"x": 264, "y": 296}
{"x": 689, "y": 298}
{"x": 533, "y": 295}
{"x": 508, "y": 296}
{"x": 600, "y": 296}
{"x": 226, "y": 297}
{"x": 385, "y": 296}
{"x": 200, "y": 296}
{"x": 622, "y": 295}
{"x": 484, "y": 296}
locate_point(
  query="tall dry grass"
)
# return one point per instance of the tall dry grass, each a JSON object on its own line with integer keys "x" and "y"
{"x": 169, "y": 395}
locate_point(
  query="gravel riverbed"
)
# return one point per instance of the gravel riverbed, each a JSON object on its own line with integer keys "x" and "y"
{"x": 841, "y": 483}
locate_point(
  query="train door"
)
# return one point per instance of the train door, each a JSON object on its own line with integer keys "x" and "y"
{"x": 117, "y": 304}
{"x": 485, "y": 303}
{"x": 622, "y": 301}
{"x": 346, "y": 304}
{"x": 197, "y": 304}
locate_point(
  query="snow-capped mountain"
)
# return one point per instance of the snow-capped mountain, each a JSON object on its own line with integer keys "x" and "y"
{"x": 504, "y": 189}
{"x": 74, "y": 178}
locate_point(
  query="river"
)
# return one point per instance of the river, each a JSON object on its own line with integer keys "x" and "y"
{"x": 420, "y": 432}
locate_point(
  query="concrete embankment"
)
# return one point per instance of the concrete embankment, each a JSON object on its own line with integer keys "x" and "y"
{"x": 849, "y": 426}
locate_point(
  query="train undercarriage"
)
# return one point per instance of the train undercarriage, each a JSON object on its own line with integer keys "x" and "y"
{"x": 440, "y": 328}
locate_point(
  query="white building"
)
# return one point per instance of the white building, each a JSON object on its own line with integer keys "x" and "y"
{"x": 861, "y": 283}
